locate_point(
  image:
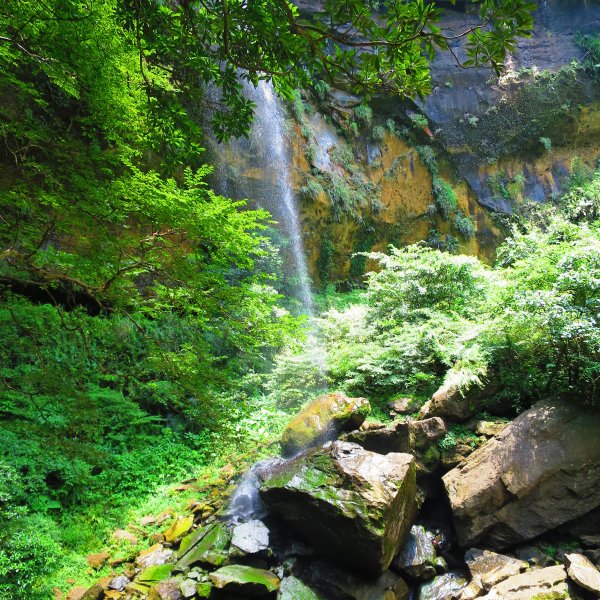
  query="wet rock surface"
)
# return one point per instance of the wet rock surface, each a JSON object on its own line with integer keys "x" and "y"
{"x": 353, "y": 505}
{"x": 489, "y": 568}
{"x": 444, "y": 587}
{"x": 417, "y": 558}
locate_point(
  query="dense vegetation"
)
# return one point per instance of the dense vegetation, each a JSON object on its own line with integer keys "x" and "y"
{"x": 528, "y": 325}
{"x": 140, "y": 311}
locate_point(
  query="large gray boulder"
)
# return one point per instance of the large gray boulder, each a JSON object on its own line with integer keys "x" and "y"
{"x": 352, "y": 505}
{"x": 453, "y": 403}
{"x": 540, "y": 472}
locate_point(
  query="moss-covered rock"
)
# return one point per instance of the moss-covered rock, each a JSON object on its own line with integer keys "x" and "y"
{"x": 350, "y": 504}
{"x": 208, "y": 546}
{"x": 324, "y": 418}
{"x": 245, "y": 580}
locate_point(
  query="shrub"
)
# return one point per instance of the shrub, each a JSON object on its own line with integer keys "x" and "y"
{"x": 546, "y": 142}
{"x": 363, "y": 114}
{"x": 464, "y": 224}
{"x": 445, "y": 198}
{"x": 378, "y": 133}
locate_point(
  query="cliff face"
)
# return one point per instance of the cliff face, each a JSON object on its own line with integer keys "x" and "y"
{"x": 441, "y": 170}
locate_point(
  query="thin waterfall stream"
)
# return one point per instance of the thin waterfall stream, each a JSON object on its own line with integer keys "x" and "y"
{"x": 268, "y": 144}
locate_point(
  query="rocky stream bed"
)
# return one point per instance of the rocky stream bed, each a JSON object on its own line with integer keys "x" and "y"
{"x": 361, "y": 511}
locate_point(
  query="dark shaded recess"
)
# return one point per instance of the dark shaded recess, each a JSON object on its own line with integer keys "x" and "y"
{"x": 63, "y": 296}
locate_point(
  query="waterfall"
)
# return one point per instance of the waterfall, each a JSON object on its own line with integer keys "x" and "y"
{"x": 267, "y": 150}
{"x": 269, "y": 120}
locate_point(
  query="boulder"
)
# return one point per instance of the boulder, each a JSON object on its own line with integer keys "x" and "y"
{"x": 155, "y": 555}
{"x": 489, "y": 568}
{"x": 417, "y": 558}
{"x": 250, "y": 538}
{"x": 393, "y": 438}
{"x": 542, "y": 471}
{"x": 404, "y": 436}
{"x": 245, "y": 581}
{"x": 403, "y": 406}
{"x": 450, "y": 402}
{"x": 443, "y": 587}
{"x": 550, "y": 582}
{"x": 324, "y": 418}
{"x": 583, "y": 573}
{"x": 350, "y": 504}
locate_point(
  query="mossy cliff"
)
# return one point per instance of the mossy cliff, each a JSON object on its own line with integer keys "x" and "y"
{"x": 445, "y": 170}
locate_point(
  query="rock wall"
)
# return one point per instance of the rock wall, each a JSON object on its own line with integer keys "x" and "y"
{"x": 365, "y": 180}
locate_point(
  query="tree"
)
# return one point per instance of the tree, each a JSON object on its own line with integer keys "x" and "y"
{"x": 196, "y": 44}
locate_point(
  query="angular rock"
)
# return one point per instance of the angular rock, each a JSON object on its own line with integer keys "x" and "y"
{"x": 473, "y": 590}
{"x": 324, "y": 418}
{"x": 166, "y": 590}
{"x": 350, "y": 504}
{"x": 443, "y": 587}
{"x": 550, "y": 582}
{"x": 119, "y": 583}
{"x": 426, "y": 432}
{"x": 491, "y": 568}
{"x": 205, "y": 546}
{"x": 76, "y": 593}
{"x": 393, "y": 438}
{"x": 292, "y": 588}
{"x": 489, "y": 428}
{"x": 250, "y": 538}
{"x": 187, "y": 588}
{"x": 542, "y": 470}
{"x": 417, "y": 558}
{"x": 245, "y": 581}
{"x": 583, "y": 572}
{"x": 179, "y": 528}
{"x": 449, "y": 402}
{"x": 403, "y": 406}
{"x": 121, "y": 534}
{"x": 155, "y": 555}
{"x": 404, "y": 436}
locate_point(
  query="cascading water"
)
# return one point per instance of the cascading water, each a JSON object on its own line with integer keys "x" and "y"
{"x": 269, "y": 151}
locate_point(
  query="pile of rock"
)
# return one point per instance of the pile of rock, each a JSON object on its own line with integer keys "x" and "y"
{"x": 340, "y": 515}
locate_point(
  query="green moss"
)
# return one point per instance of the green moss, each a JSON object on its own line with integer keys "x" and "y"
{"x": 155, "y": 573}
